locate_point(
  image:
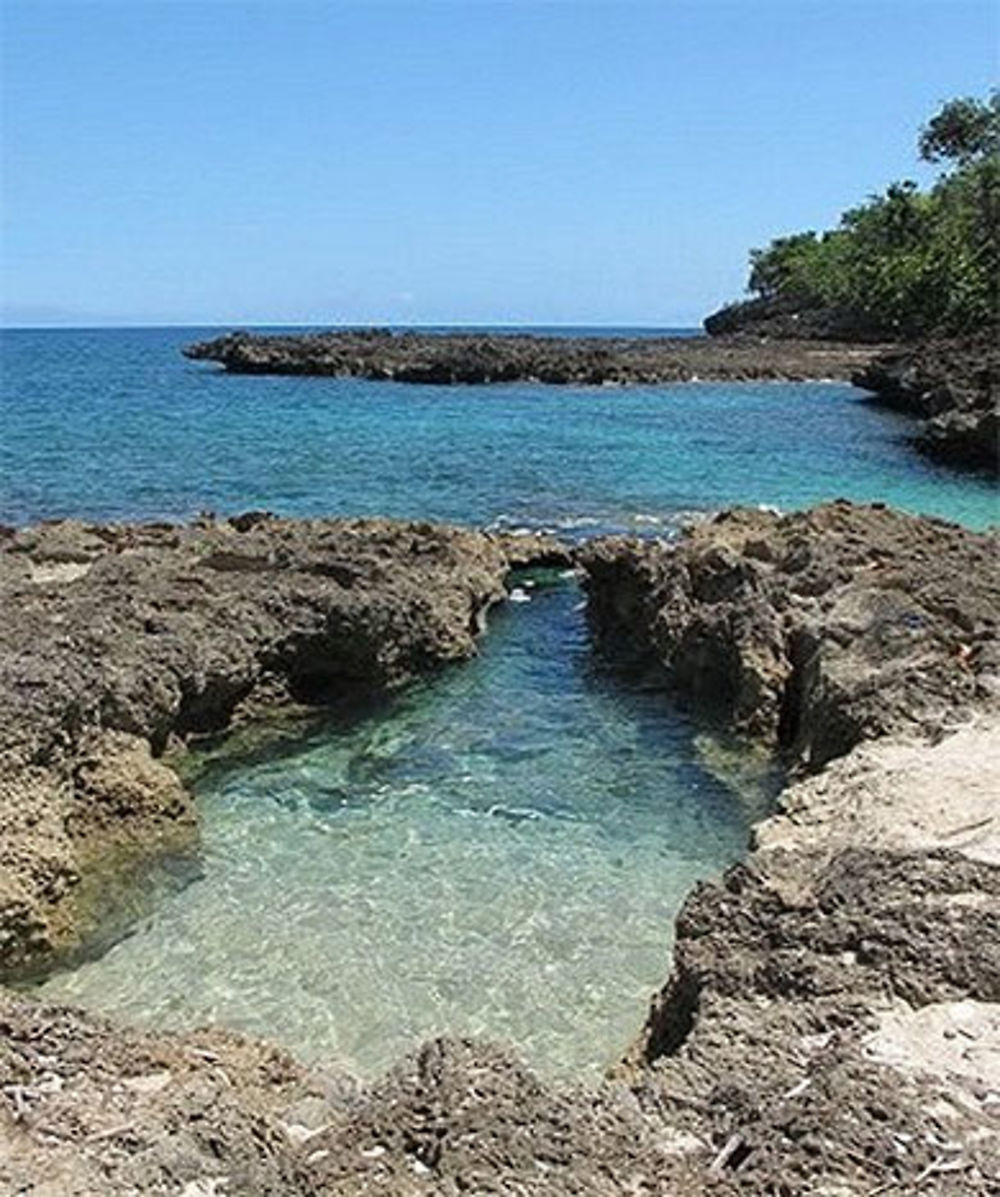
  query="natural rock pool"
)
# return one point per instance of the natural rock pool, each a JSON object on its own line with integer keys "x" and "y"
{"x": 500, "y": 851}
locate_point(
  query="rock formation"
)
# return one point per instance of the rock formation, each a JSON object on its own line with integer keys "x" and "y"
{"x": 832, "y": 1021}
{"x": 813, "y": 631}
{"x": 785, "y": 318}
{"x": 835, "y": 1001}
{"x": 119, "y": 643}
{"x": 482, "y": 358}
{"x": 953, "y": 387}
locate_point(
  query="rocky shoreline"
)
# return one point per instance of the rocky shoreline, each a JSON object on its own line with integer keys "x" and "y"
{"x": 454, "y": 358}
{"x": 951, "y": 385}
{"x": 953, "y": 388}
{"x": 832, "y": 1020}
{"x": 835, "y": 1001}
{"x": 783, "y": 317}
{"x": 120, "y": 643}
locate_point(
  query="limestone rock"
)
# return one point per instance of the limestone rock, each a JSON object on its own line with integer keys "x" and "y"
{"x": 447, "y": 359}
{"x": 160, "y": 633}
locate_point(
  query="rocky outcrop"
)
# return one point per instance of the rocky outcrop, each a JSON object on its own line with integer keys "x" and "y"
{"x": 788, "y": 319}
{"x": 836, "y": 1025}
{"x": 953, "y": 388}
{"x": 488, "y": 358}
{"x": 87, "y": 1108}
{"x": 119, "y": 643}
{"x": 814, "y": 631}
{"x": 834, "y": 1007}
{"x": 90, "y": 1108}
{"x": 832, "y": 1021}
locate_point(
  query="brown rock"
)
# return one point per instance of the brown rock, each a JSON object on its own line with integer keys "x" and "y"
{"x": 455, "y": 358}
{"x": 832, "y": 1022}
{"x": 812, "y": 631}
{"x": 120, "y": 641}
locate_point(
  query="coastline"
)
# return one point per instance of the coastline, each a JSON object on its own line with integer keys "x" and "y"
{"x": 469, "y": 358}
{"x": 494, "y": 759}
{"x": 852, "y": 927}
{"x": 952, "y": 388}
{"x": 126, "y": 641}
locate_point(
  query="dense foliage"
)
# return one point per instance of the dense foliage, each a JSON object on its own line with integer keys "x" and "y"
{"x": 908, "y": 261}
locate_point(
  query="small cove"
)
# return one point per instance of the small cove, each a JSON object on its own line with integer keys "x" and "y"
{"x": 500, "y": 852}
{"x": 113, "y": 424}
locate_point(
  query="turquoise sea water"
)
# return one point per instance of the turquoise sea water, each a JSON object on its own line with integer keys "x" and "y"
{"x": 500, "y": 851}
{"x": 116, "y": 424}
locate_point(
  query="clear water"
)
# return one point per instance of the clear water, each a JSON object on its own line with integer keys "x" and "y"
{"x": 502, "y": 851}
{"x": 115, "y": 424}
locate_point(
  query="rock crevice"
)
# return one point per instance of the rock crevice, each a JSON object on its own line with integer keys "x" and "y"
{"x": 831, "y": 1024}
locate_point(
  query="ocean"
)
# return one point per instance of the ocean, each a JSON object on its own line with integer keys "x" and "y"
{"x": 500, "y": 851}
{"x": 115, "y": 424}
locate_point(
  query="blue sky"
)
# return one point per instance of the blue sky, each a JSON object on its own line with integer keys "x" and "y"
{"x": 285, "y": 161}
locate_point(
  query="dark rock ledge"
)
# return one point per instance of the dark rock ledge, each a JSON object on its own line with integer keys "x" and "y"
{"x": 484, "y": 358}
{"x": 953, "y": 388}
{"x": 832, "y": 1022}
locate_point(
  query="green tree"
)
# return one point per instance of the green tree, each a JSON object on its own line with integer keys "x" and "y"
{"x": 965, "y": 130}
{"x": 907, "y": 261}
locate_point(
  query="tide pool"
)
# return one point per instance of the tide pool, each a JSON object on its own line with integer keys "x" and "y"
{"x": 498, "y": 852}
{"x": 502, "y": 850}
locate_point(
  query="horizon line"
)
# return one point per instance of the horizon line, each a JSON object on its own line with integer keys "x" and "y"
{"x": 360, "y": 324}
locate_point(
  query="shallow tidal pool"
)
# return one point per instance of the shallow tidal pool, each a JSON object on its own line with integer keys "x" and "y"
{"x": 500, "y": 852}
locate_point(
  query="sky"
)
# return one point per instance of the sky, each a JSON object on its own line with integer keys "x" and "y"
{"x": 435, "y": 162}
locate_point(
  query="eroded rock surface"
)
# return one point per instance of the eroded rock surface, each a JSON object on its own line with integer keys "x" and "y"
{"x": 119, "y": 642}
{"x": 90, "y": 1108}
{"x": 832, "y": 1021}
{"x": 953, "y": 388}
{"x": 813, "y": 631}
{"x": 864, "y": 644}
{"x": 87, "y": 1107}
{"x": 480, "y": 358}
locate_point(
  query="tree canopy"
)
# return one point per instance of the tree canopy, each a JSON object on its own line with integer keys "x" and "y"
{"x": 907, "y": 261}
{"x": 965, "y": 130}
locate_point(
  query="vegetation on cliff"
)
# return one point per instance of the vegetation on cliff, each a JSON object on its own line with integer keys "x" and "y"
{"x": 908, "y": 262}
